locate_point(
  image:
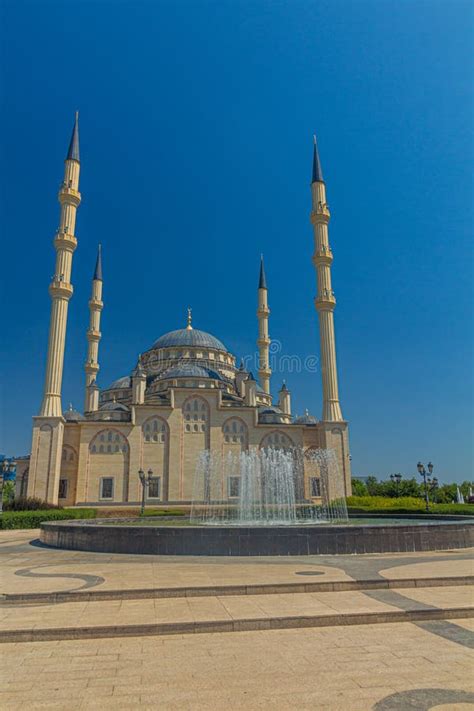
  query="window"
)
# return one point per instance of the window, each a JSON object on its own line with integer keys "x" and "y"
{"x": 62, "y": 488}
{"x": 154, "y": 430}
{"x": 234, "y": 486}
{"x": 195, "y": 415}
{"x": 277, "y": 440}
{"x": 109, "y": 442}
{"x": 235, "y": 431}
{"x": 315, "y": 486}
{"x": 154, "y": 488}
{"x": 107, "y": 488}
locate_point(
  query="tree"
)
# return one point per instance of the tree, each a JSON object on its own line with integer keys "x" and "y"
{"x": 359, "y": 488}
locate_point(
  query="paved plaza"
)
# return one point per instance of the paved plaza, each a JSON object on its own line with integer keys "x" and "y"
{"x": 88, "y": 630}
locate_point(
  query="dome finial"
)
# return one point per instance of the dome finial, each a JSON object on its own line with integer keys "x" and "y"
{"x": 189, "y": 327}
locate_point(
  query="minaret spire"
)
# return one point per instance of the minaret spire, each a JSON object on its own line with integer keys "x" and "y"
{"x": 98, "y": 265}
{"x": 317, "y": 176}
{"x": 263, "y": 340}
{"x": 262, "y": 282}
{"x": 93, "y": 337}
{"x": 60, "y": 288}
{"x": 325, "y": 301}
{"x": 73, "y": 150}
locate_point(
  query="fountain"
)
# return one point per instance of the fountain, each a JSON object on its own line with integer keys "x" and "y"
{"x": 259, "y": 503}
{"x": 266, "y": 488}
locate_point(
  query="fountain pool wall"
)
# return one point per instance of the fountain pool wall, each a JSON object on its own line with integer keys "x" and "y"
{"x": 322, "y": 539}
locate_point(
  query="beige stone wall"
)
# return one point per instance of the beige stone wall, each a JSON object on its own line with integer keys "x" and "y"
{"x": 168, "y": 440}
{"x": 46, "y": 450}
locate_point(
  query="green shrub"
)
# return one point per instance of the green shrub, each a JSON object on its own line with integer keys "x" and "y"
{"x": 33, "y": 519}
{"x": 404, "y": 504}
{"x": 164, "y": 512}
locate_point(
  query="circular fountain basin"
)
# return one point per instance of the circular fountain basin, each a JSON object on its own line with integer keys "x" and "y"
{"x": 359, "y": 535}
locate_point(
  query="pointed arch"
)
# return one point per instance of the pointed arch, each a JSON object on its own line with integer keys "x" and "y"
{"x": 278, "y": 440}
{"x": 155, "y": 430}
{"x": 195, "y": 414}
{"x": 109, "y": 441}
{"x": 235, "y": 431}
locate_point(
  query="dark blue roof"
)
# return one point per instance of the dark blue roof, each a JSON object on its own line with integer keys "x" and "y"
{"x": 120, "y": 383}
{"x": 187, "y": 370}
{"x": 189, "y": 337}
{"x": 73, "y": 150}
{"x": 72, "y": 415}
{"x": 317, "y": 171}
{"x": 114, "y": 406}
{"x": 306, "y": 419}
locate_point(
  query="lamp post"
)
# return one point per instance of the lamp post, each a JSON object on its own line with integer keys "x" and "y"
{"x": 396, "y": 478}
{"x": 430, "y": 484}
{"x": 145, "y": 481}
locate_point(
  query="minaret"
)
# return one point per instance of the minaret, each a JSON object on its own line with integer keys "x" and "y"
{"x": 325, "y": 301}
{"x": 263, "y": 340}
{"x": 60, "y": 288}
{"x": 284, "y": 400}
{"x": 93, "y": 334}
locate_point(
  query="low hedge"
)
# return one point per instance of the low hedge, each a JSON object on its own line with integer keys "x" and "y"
{"x": 403, "y": 505}
{"x": 32, "y": 519}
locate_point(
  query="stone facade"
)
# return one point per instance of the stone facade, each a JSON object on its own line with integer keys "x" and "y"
{"x": 185, "y": 395}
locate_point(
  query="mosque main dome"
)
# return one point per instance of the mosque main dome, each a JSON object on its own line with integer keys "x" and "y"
{"x": 189, "y": 337}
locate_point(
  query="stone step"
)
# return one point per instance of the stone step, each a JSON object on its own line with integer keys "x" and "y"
{"x": 236, "y": 625}
{"x": 157, "y": 616}
{"x": 222, "y": 590}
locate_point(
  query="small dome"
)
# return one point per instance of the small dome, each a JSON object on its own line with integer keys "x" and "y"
{"x": 306, "y": 419}
{"x": 114, "y": 406}
{"x": 269, "y": 411}
{"x": 189, "y": 337}
{"x": 72, "y": 415}
{"x": 186, "y": 370}
{"x": 120, "y": 383}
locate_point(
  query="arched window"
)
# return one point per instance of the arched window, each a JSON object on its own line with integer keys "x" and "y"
{"x": 109, "y": 442}
{"x": 155, "y": 430}
{"x": 196, "y": 415}
{"x": 69, "y": 454}
{"x": 277, "y": 440}
{"x": 234, "y": 431}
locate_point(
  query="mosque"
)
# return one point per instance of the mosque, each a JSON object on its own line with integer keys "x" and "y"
{"x": 185, "y": 394}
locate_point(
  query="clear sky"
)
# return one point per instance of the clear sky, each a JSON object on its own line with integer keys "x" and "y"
{"x": 196, "y": 123}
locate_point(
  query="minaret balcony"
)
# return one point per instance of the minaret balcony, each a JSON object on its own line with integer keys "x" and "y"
{"x": 96, "y": 305}
{"x": 59, "y": 289}
{"x": 323, "y": 255}
{"x": 65, "y": 240}
{"x": 91, "y": 367}
{"x": 326, "y": 301}
{"x": 265, "y": 341}
{"x": 69, "y": 196}
{"x": 93, "y": 335}
{"x": 320, "y": 214}
{"x": 263, "y": 312}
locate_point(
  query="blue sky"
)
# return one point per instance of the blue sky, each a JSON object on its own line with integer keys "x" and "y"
{"x": 196, "y": 123}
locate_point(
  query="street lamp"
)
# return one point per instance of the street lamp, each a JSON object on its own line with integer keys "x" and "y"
{"x": 145, "y": 481}
{"x": 429, "y": 484}
{"x": 397, "y": 479}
